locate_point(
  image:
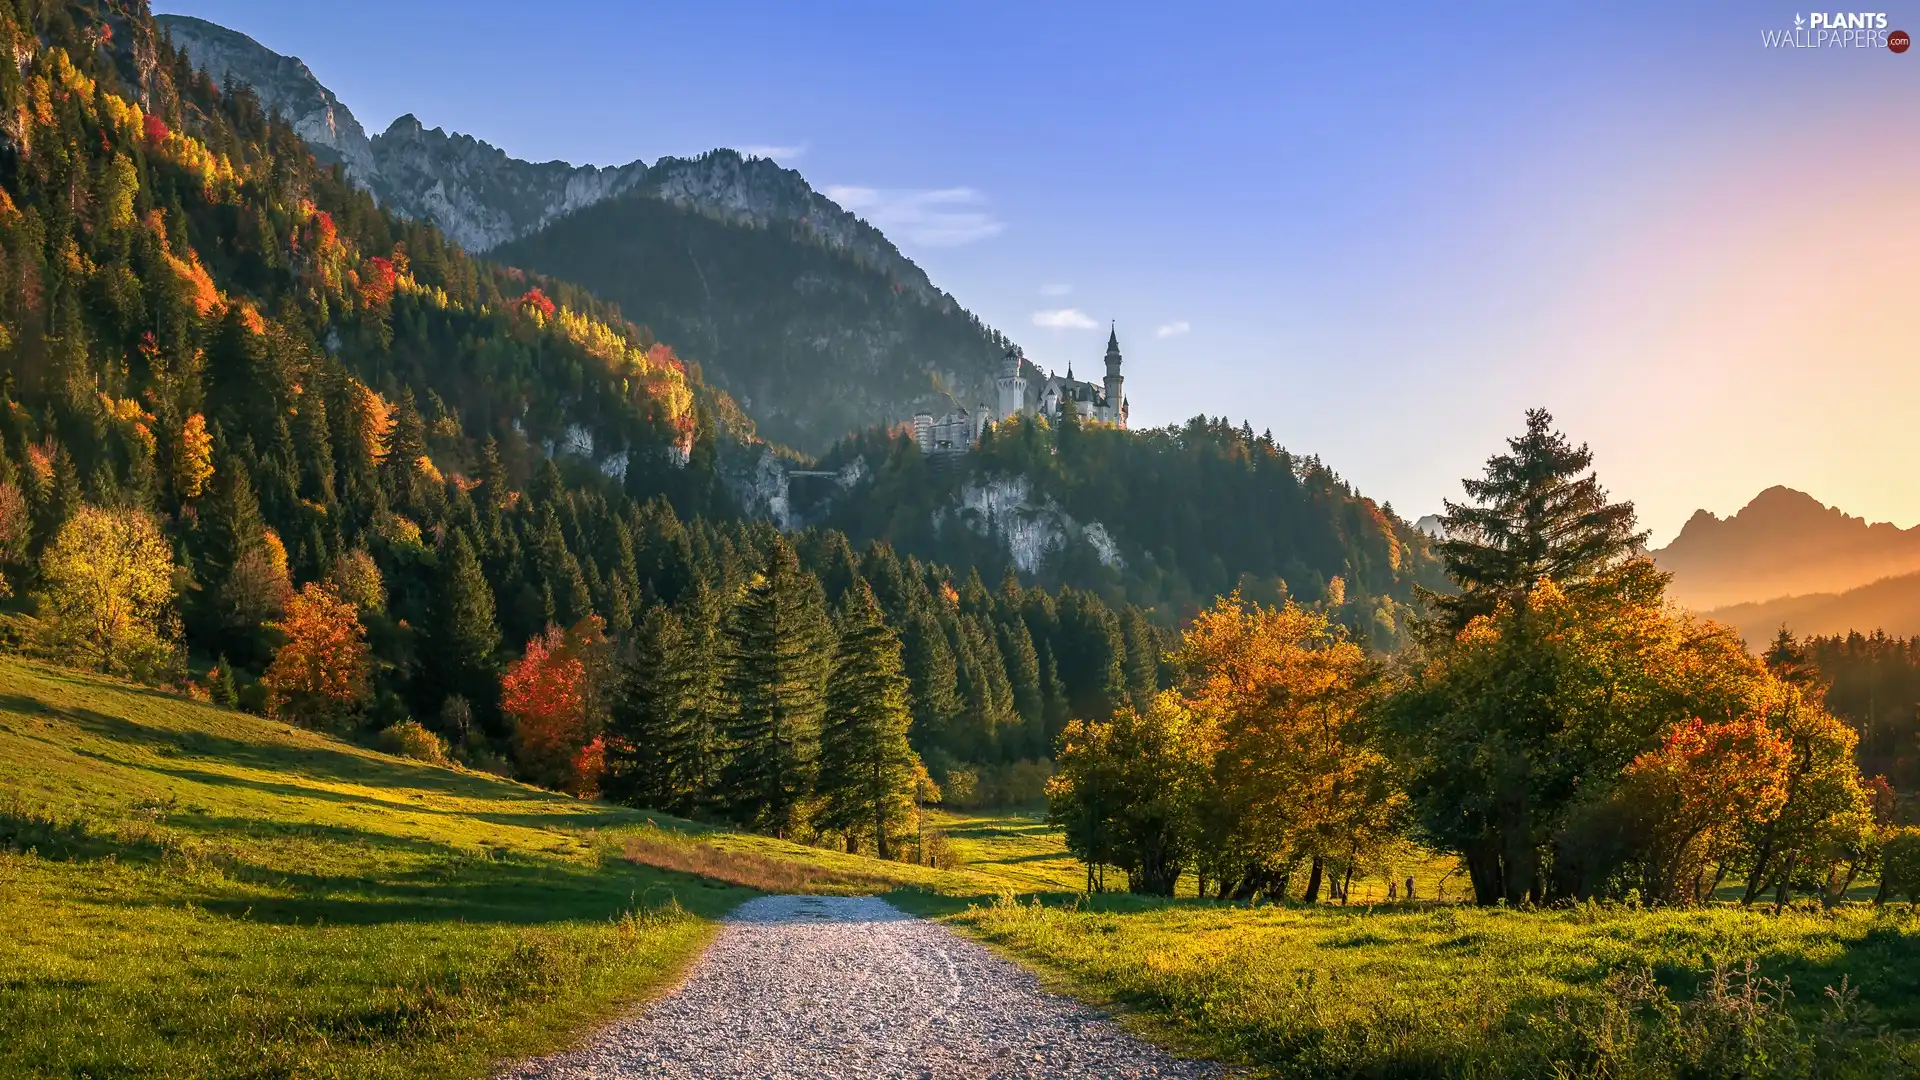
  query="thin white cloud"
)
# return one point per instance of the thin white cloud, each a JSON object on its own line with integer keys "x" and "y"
{"x": 1065, "y": 319}
{"x": 1173, "y": 329}
{"x": 776, "y": 153}
{"x": 1055, "y": 290}
{"x": 937, "y": 217}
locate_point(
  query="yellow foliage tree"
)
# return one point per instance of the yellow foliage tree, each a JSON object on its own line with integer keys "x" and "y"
{"x": 193, "y": 458}
{"x": 109, "y": 591}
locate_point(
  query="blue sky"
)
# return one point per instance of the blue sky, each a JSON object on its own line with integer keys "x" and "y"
{"x": 1380, "y": 231}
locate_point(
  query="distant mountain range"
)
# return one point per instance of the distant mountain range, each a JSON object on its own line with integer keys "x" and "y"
{"x": 1784, "y": 543}
{"x": 1892, "y": 604}
{"x": 744, "y": 238}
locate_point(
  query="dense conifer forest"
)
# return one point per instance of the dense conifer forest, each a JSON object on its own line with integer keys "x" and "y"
{"x": 342, "y": 472}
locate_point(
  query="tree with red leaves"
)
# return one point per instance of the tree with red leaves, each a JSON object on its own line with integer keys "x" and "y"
{"x": 553, "y": 693}
{"x": 1692, "y": 795}
{"x": 535, "y": 300}
{"x": 321, "y": 676}
{"x": 376, "y": 283}
{"x": 156, "y": 130}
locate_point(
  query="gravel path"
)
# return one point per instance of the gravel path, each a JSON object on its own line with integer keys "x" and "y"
{"x": 851, "y": 988}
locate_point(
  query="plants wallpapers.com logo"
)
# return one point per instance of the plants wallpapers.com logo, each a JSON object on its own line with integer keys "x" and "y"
{"x": 1838, "y": 30}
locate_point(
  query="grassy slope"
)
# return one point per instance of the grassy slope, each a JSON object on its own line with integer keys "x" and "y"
{"x": 189, "y": 891}
{"x": 1017, "y": 849}
{"x": 210, "y": 894}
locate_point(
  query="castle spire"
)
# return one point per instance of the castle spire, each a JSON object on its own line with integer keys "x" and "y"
{"x": 1113, "y": 337}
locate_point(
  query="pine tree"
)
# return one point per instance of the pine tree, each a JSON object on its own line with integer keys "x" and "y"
{"x": 407, "y": 444}
{"x": 706, "y": 707}
{"x": 231, "y": 521}
{"x": 646, "y": 739}
{"x": 866, "y": 767}
{"x": 223, "y": 690}
{"x": 933, "y": 678}
{"x": 1142, "y": 658}
{"x": 1023, "y": 678}
{"x": 63, "y": 500}
{"x": 776, "y": 675}
{"x": 464, "y": 637}
{"x": 1536, "y": 513}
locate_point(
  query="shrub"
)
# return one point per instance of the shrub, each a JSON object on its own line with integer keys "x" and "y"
{"x": 409, "y": 740}
{"x": 1900, "y": 865}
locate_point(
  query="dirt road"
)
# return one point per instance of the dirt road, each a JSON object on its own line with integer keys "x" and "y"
{"x": 851, "y": 988}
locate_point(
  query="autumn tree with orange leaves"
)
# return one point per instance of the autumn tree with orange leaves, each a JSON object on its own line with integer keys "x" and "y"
{"x": 1255, "y": 768}
{"x": 1688, "y": 800}
{"x": 320, "y": 676}
{"x": 554, "y": 696}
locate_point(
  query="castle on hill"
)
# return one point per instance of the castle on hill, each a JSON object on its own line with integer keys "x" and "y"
{"x": 1050, "y": 397}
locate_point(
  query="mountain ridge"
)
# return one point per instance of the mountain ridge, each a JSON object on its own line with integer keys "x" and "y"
{"x": 896, "y": 343}
{"x": 283, "y": 83}
{"x": 1783, "y": 543}
{"x": 1891, "y": 604}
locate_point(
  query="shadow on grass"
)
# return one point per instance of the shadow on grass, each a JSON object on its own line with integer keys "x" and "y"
{"x": 1881, "y": 965}
{"x": 1010, "y": 860}
{"x": 448, "y": 884}
{"x": 318, "y": 762}
{"x": 70, "y": 840}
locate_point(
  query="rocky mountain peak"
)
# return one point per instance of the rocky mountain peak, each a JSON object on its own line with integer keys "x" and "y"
{"x": 482, "y": 197}
{"x": 284, "y": 84}
{"x": 1782, "y": 543}
{"x": 476, "y": 193}
{"x": 758, "y": 191}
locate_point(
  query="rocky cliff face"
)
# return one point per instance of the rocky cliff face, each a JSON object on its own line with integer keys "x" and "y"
{"x": 478, "y": 195}
{"x": 756, "y": 191}
{"x": 284, "y": 84}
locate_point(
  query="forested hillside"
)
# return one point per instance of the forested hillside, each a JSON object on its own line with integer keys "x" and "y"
{"x": 267, "y": 442}
{"x": 1891, "y": 605}
{"x": 816, "y": 341}
{"x": 784, "y": 297}
{"x": 1166, "y": 518}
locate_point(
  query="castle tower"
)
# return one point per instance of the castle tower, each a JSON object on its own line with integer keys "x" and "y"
{"x": 1116, "y": 401}
{"x": 1012, "y": 385}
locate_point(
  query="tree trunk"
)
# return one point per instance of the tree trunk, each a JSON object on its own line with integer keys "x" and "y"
{"x": 1757, "y": 879}
{"x": 1313, "y": 882}
{"x": 880, "y": 831}
{"x": 1483, "y": 871}
{"x": 1521, "y": 864}
{"x": 1837, "y": 886}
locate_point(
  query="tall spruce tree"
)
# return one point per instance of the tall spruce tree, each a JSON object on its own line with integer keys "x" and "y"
{"x": 933, "y": 676}
{"x": 1142, "y": 659}
{"x": 866, "y": 767}
{"x": 777, "y": 650}
{"x": 646, "y": 736}
{"x": 464, "y": 636}
{"x": 1538, "y": 512}
{"x": 704, "y": 704}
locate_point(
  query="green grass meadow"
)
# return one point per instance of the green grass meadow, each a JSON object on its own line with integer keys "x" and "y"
{"x": 187, "y": 891}
{"x": 1432, "y": 990}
